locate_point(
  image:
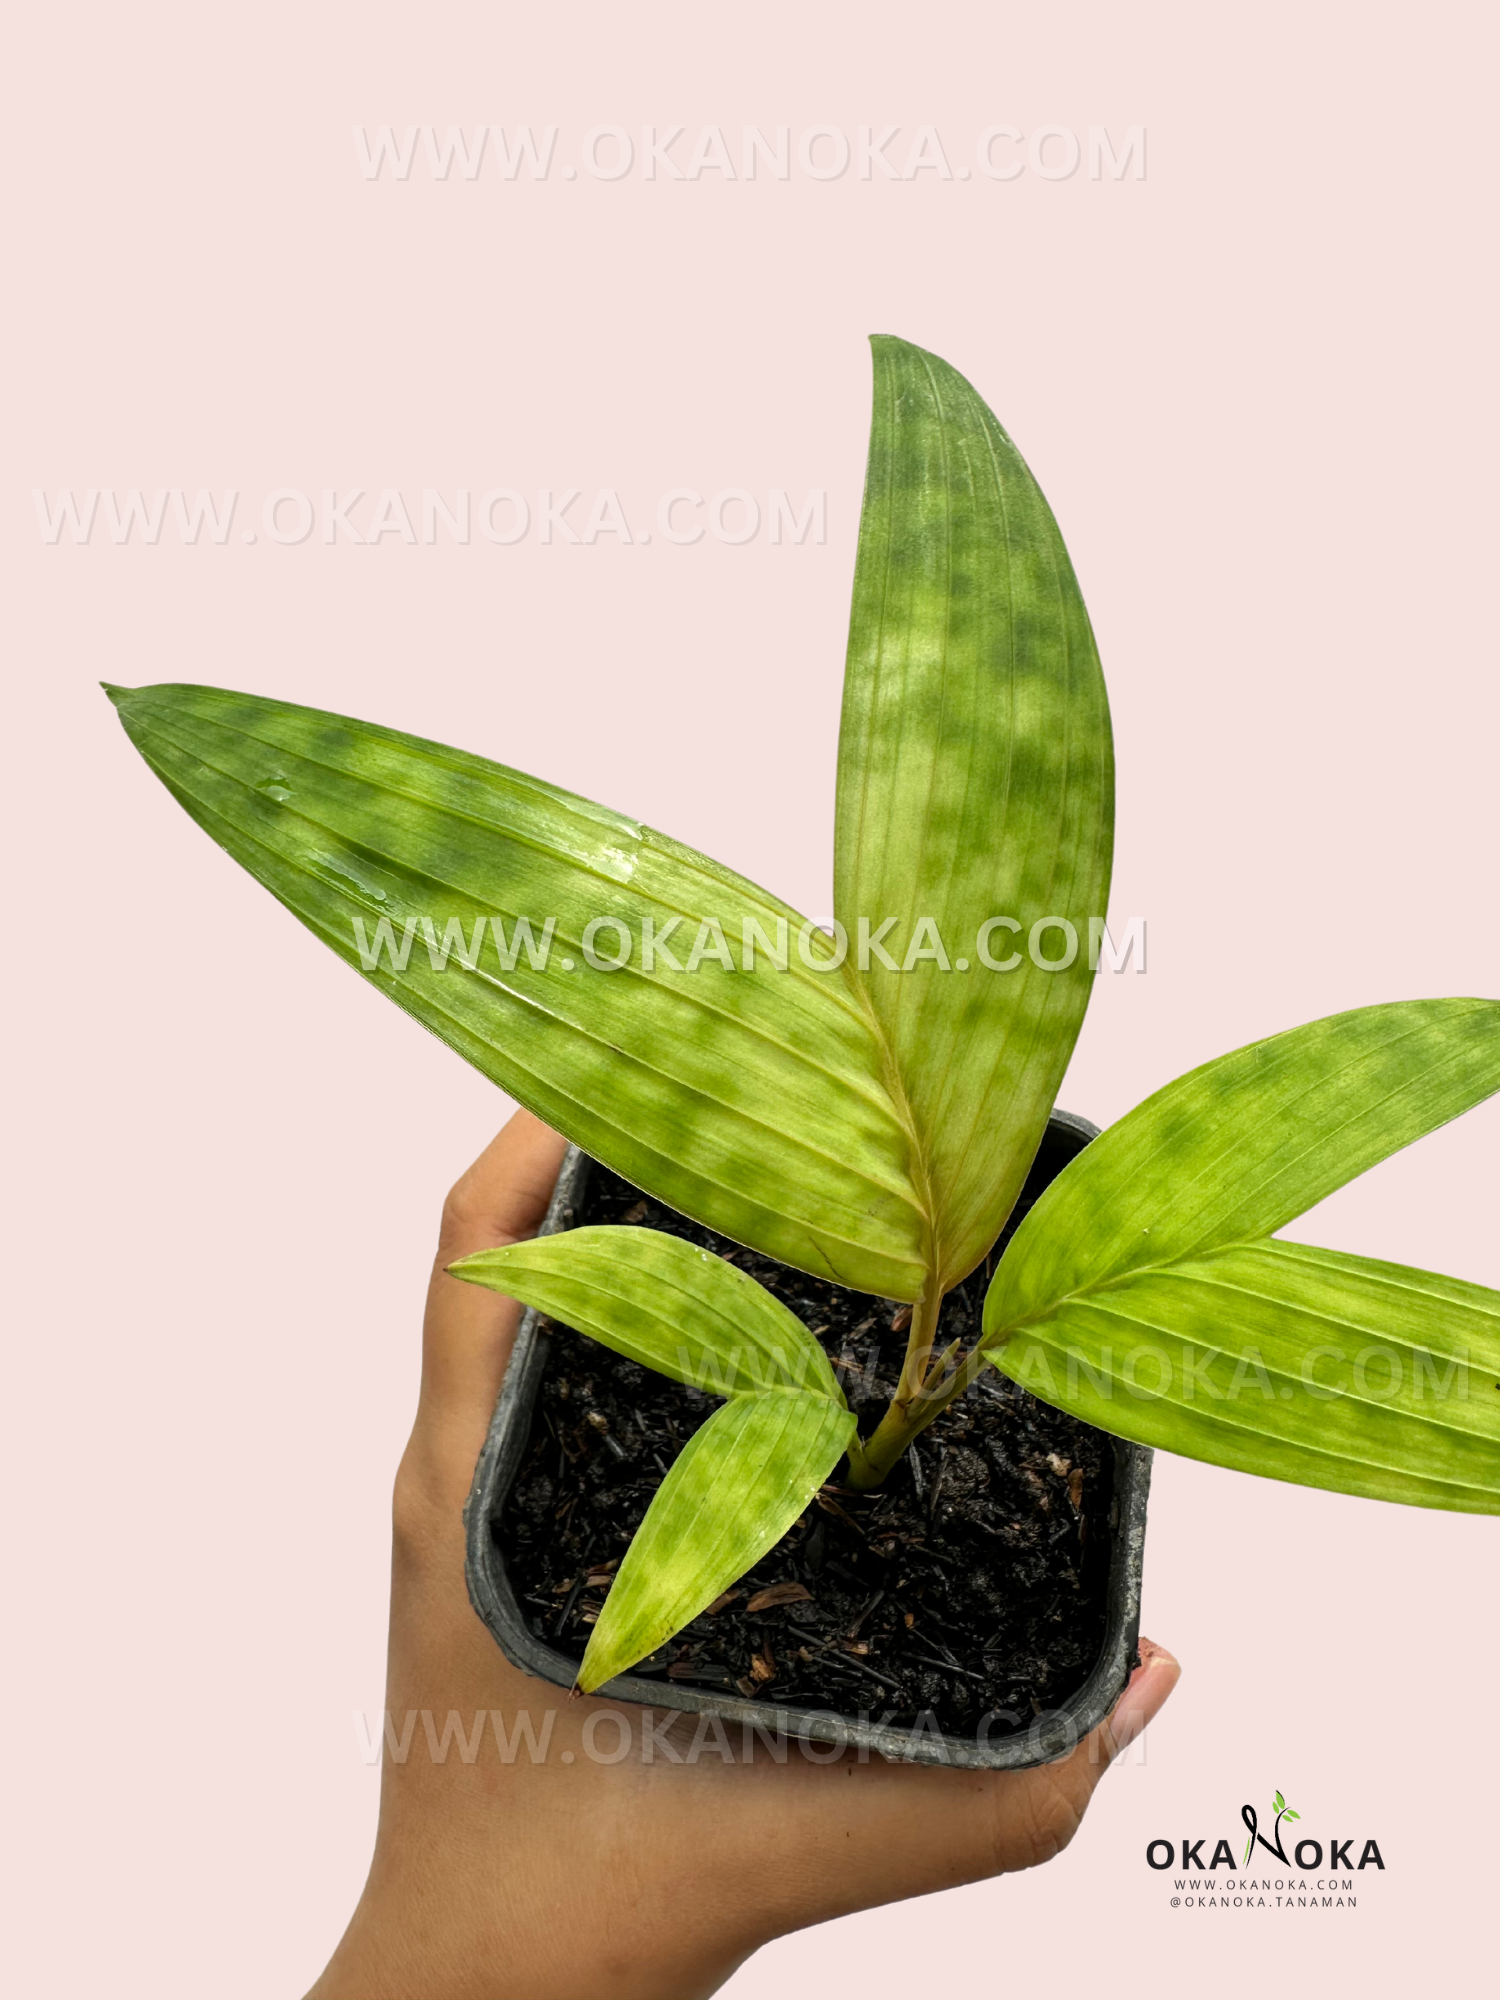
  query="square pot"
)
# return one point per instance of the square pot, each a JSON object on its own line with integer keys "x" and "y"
{"x": 1052, "y": 1734}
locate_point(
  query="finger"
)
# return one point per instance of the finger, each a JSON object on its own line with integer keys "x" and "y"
{"x": 1040, "y": 1815}
{"x": 504, "y": 1195}
{"x": 1056, "y": 1796}
{"x": 899, "y": 1831}
{"x": 468, "y": 1331}
{"x": 1145, "y": 1692}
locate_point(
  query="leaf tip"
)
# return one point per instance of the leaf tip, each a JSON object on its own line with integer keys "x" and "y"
{"x": 589, "y": 1677}
{"x": 890, "y": 345}
{"x": 475, "y": 1269}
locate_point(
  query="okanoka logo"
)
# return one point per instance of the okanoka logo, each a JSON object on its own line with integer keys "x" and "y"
{"x": 1330, "y": 1854}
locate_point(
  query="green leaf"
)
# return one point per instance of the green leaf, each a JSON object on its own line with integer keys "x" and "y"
{"x": 1243, "y": 1145}
{"x": 1289, "y": 1814}
{"x": 976, "y": 780}
{"x": 665, "y": 1303}
{"x": 1280, "y": 1802}
{"x": 1143, "y": 1294}
{"x": 734, "y": 1490}
{"x": 1292, "y": 1362}
{"x": 755, "y": 1101}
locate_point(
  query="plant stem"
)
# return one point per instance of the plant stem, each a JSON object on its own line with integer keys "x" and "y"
{"x": 919, "y": 1345}
{"x": 937, "y": 1400}
{"x": 895, "y": 1430}
{"x": 861, "y": 1475}
{"x": 906, "y": 1420}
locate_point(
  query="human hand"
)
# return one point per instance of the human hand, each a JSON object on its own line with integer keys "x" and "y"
{"x": 566, "y": 1878}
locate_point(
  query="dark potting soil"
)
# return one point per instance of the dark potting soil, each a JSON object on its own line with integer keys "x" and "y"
{"x": 973, "y": 1583}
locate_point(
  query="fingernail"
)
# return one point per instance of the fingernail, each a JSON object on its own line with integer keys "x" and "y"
{"x": 1130, "y": 1717}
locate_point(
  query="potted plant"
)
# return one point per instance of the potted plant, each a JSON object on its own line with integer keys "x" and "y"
{"x": 858, "y": 1107}
{"x": 979, "y": 1607}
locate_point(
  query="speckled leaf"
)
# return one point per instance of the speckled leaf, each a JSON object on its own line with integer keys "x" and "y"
{"x": 1293, "y": 1362}
{"x": 1143, "y": 1291}
{"x": 976, "y": 781}
{"x": 736, "y": 1487}
{"x": 754, "y": 1101}
{"x": 1246, "y": 1143}
{"x": 665, "y": 1303}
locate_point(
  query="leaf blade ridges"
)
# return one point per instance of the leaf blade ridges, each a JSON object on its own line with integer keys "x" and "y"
{"x": 754, "y": 1101}
{"x": 771, "y": 1454}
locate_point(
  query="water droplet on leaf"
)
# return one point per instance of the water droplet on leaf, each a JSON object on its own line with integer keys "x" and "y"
{"x": 339, "y": 877}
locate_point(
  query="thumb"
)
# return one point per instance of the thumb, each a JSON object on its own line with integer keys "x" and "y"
{"x": 1145, "y": 1693}
{"x": 468, "y": 1332}
{"x": 1040, "y": 1816}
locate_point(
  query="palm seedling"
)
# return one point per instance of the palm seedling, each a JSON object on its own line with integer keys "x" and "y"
{"x": 863, "y": 1100}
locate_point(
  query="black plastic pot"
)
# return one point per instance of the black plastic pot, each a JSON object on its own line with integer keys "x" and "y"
{"x": 1050, "y": 1735}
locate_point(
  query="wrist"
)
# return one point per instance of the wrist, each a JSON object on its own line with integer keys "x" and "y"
{"x": 543, "y": 1940}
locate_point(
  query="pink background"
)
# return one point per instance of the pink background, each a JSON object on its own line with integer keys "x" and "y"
{"x": 1257, "y": 387}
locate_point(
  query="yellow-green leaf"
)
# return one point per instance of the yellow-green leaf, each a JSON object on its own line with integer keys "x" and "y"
{"x": 1242, "y": 1145}
{"x": 665, "y": 1303}
{"x": 755, "y": 1101}
{"x": 976, "y": 782}
{"x": 736, "y": 1487}
{"x": 1144, "y": 1291}
{"x": 1296, "y": 1363}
